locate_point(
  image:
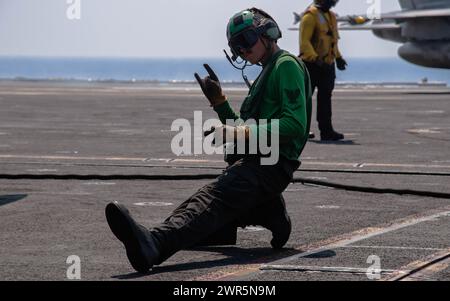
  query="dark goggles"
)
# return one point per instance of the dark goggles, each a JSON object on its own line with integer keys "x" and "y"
{"x": 243, "y": 41}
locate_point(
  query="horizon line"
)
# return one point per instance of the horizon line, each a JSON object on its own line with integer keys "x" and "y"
{"x": 153, "y": 57}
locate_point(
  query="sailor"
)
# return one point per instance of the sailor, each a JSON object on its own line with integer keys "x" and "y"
{"x": 319, "y": 50}
{"x": 248, "y": 192}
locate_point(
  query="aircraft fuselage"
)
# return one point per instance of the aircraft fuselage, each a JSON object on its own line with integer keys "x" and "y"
{"x": 433, "y": 54}
{"x": 426, "y": 40}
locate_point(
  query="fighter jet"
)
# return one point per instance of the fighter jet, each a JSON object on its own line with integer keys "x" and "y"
{"x": 422, "y": 26}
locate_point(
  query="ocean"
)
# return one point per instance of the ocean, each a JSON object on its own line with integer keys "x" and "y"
{"x": 360, "y": 70}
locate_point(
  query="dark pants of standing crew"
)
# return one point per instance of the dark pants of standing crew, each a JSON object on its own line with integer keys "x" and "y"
{"x": 243, "y": 187}
{"x": 323, "y": 77}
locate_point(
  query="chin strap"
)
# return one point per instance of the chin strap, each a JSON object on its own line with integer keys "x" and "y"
{"x": 232, "y": 60}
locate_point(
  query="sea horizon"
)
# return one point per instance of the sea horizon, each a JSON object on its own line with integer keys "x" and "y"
{"x": 157, "y": 69}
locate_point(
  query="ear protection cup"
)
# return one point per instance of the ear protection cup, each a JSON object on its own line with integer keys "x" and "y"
{"x": 273, "y": 32}
{"x": 271, "y": 29}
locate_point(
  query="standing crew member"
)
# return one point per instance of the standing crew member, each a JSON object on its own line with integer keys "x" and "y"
{"x": 319, "y": 50}
{"x": 247, "y": 192}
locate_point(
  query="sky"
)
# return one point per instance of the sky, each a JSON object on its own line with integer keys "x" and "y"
{"x": 158, "y": 28}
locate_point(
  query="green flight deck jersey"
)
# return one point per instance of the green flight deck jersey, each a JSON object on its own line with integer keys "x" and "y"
{"x": 282, "y": 91}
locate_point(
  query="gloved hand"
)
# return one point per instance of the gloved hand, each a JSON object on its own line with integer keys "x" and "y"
{"x": 226, "y": 134}
{"x": 341, "y": 64}
{"x": 211, "y": 87}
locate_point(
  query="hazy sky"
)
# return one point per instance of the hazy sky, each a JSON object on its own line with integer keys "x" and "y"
{"x": 157, "y": 28}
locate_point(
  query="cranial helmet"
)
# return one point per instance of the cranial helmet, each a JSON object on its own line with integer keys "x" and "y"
{"x": 246, "y": 27}
{"x": 325, "y": 4}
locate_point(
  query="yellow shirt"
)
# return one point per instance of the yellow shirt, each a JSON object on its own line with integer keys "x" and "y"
{"x": 319, "y": 36}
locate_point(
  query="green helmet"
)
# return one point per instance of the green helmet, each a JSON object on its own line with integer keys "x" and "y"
{"x": 239, "y": 22}
{"x": 253, "y": 18}
{"x": 245, "y": 28}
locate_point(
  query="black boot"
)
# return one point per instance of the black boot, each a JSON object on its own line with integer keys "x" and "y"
{"x": 331, "y": 135}
{"x": 272, "y": 216}
{"x": 142, "y": 248}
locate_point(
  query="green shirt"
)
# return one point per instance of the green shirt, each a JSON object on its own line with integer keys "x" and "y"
{"x": 285, "y": 98}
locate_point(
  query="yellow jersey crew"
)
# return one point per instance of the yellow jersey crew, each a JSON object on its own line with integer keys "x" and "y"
{"x": 319, "y": 50}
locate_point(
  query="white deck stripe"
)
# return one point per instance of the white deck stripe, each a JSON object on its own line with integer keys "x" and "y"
{"x": 205, "y": 161}
{"x": 338, "y": 244}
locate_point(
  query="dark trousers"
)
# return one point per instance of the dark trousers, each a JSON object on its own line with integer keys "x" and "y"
{"x": 323, "y": 78}
{"x": 242, "y": 188}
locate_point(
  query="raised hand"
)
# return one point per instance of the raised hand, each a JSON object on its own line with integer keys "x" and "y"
{"x": 211, "y": 87}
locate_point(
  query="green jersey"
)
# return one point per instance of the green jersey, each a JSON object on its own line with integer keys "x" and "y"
{"x": 281, "y": 92}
